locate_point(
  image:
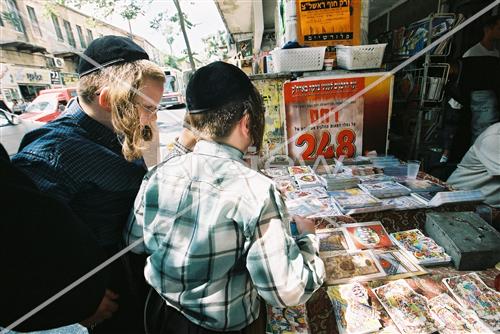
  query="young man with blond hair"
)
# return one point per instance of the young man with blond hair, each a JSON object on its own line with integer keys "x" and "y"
{"x": 91, "y": 156}
{"x": 216, "y": 231}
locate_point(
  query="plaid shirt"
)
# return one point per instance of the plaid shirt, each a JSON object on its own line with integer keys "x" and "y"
{"x": 218, "y": 236}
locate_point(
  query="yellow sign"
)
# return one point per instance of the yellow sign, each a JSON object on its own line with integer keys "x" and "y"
{"x": 329, "y": 23}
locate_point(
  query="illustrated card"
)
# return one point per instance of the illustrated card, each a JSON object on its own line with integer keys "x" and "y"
{"x": 368, "y": 235}
{"x": 408, "y": 309}
{"x": 307, "y": 180}
{"x": 353, "y": 312}
{"x": 334, "y": 239}
{"x": 396, "y": 264}
{"x": 456, "y": 319}
{"x": 351, "y": 267}
{"x": 330, "y": 209}
{"x": 274, "y": 172}
{"x": 295, "y": 170}
{"x": 318, "y": 192}
{"x": 306, "y": 206}
{"x": 471, "y": 292}
{"x": 292, "y": 319}
{"x": 422, "y": 248}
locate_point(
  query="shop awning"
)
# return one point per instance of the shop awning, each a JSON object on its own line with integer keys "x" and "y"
{"x": 23, "y": 46}
{"x": 244, "y": 18}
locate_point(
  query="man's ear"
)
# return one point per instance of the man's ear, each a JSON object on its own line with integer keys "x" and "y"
{"x": 245, "y": 124}
{"x": 103, "y": 99}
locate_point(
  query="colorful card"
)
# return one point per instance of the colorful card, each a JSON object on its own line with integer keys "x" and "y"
{"x": 471, "y": 292}
{"x": 274, "y": 172}
{"x": 295, "y": 170}
{"x": 307, "y": 181}
{"x": 318, "y": 192}
{"x": 330, "y": 209}
{"x": 396, "y": 264}
{"x": 422, "y": 185}
{"x": 368, "y": 235}
{"x": 306, "y": 206}
{"x": 285, "y": 184}
{"x": 351, "y": 267}
{"x": 334, "y": 239}
{"x": 408, "y": 309}
{"x": 425, "y": 250}
{"x": 456, "y": 319}
{"x": 403, "y": 203}
{"x": 352, "y": 309}
{"x": 289, "y": 320}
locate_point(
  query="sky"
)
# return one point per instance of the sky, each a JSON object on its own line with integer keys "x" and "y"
{"x": 202, "y": 13}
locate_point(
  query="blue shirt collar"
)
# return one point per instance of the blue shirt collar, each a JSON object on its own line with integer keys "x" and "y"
{"x": 218, "y": 150}
{"x": 94, "y": 129}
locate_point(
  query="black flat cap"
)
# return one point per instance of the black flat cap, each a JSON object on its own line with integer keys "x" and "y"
{"x": 215, "y": 85}
{"x": 109, "y": 50}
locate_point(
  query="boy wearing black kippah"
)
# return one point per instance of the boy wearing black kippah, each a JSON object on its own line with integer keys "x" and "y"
{"x": 216, "y": 231}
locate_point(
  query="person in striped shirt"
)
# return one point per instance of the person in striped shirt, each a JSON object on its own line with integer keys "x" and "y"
{"x": 217, "y": 232}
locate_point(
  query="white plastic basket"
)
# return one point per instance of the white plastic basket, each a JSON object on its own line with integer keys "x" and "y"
{"x": 298, "y": 60}
{"x": 361, "y": 56}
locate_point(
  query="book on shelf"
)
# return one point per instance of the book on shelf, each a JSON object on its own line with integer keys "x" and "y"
{"x": 435, "y": 199}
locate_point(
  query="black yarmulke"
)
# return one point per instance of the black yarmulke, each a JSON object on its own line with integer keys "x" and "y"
{"x": 109, "y": 50}
{"x": 215, "y": 85}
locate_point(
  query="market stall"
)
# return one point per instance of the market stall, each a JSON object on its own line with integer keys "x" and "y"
{"x": 330, "y": 112}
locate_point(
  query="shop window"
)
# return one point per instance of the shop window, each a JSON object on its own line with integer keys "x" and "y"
{"x": 57, "y": 27}
{"x": 90, "y": 36}
{"x": 69, "y": 33}
{"x": 34, "y": 21}
{"x": 12, "y": 15}
{"x": 11, "y": 94}
{"x": 80, "y": 36}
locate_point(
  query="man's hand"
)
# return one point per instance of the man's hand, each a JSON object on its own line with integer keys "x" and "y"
{"x": 304, "y": 225}
{"x": 104, "y": 311}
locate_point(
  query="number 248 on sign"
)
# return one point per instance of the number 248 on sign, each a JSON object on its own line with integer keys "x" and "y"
{"x": 344, "y": 142}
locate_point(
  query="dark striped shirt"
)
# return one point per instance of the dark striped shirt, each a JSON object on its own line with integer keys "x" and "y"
{"x": 79, "y": 161}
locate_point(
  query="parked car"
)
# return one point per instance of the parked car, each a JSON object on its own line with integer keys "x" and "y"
{"x": 48, "y": 104}
{"x": 12, "y": 130}
{"x": 46, "y": 107}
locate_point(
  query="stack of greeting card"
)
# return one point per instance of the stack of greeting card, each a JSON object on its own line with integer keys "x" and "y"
{"x": 456, "y": 318}
{"x": 471, "y": 292}
{"x": 409, "y": 310}
{"x": 423, "y": 249}
{"x": 361, "y": 252}
{"x": 352, "y": 309}
{"x": 385, "y": 189}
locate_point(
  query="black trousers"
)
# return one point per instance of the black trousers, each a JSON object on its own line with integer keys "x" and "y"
{"x": 162, "y": 319}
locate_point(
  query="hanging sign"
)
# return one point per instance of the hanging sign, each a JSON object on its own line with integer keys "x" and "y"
{"x": 329, "y": 22}
{"x": 321, "y": 122}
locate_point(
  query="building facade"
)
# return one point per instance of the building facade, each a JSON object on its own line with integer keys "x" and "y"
{"x": 40, "y": 43}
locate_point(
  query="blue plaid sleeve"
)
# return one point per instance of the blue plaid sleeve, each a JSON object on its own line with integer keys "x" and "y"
{"x": 284, "y": 272}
